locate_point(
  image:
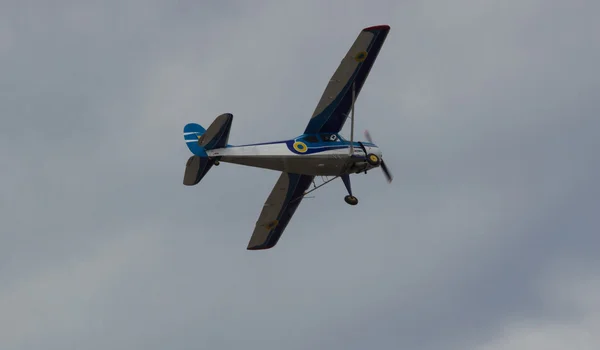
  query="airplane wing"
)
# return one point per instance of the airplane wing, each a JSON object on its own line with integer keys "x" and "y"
{"x": 278, "y": 210}
{"x": 333, "y": 108}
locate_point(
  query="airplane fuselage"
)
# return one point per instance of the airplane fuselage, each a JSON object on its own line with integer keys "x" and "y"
{"x": 326, "y": 155}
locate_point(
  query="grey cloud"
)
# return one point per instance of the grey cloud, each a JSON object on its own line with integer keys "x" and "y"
{"x": 486, "y": 112}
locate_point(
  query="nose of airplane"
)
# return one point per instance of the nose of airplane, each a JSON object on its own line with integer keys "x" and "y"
{"x": 375, "y": 150}
{"x": 378, "y": 152}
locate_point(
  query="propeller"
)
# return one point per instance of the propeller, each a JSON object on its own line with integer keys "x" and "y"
{"x": 385, "y": 169}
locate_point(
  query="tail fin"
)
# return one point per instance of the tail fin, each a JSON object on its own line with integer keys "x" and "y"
{"x": 192, "y": 133}
{"x": 199, "y": 140}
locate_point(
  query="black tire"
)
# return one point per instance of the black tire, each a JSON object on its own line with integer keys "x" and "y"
{"x": 351, "y": 200}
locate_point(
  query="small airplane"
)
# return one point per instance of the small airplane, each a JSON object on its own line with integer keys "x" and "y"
{"x": 319, "y": 151}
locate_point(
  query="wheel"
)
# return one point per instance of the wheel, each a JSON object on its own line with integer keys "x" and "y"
{"x": 351, "y": 200}
{"x": 373, "y": 159}
{"x": 217, "y": 163}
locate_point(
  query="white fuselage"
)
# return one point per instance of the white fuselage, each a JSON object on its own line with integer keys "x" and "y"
{"x": 325, "y": 160}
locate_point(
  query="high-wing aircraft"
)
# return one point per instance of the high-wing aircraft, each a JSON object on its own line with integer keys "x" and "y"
{"x": 319, "y": 151}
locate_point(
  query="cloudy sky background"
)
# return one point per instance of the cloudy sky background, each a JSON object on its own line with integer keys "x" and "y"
{"x": 487, "y": 113}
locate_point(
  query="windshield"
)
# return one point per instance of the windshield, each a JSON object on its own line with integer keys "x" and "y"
{"x": 341, "y": 137}
{"x": 310, "y": 138}
{"x": 329, "y": 137}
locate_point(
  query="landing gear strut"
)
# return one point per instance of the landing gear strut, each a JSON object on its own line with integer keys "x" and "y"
{"x": 350, "y": 199}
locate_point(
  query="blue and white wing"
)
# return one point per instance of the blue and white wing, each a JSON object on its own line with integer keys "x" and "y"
{"x": 333, "y": 108}
{"x": 278, "y": 210}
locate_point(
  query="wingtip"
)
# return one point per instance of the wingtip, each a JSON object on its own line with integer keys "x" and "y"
{"x": 258, "y": 247}
{"x": 378, "y": 27}
{"x": 263, "y": 246}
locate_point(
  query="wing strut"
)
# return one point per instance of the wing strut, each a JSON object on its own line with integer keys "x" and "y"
{"x": 303, "y": 195}
{"x": 352, "y": 120}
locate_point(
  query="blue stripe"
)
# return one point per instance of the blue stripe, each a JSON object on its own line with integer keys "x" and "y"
{"x": 261, "y": 143}
{"x": 309, "y": 144}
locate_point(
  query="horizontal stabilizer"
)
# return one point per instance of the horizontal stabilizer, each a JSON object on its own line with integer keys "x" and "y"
{"x": 217, "y": 134}
{"x": 195, "y": 169}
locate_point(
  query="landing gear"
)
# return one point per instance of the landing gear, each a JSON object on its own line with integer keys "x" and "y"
{"x": 350, "y": 199}
{"x": 373, "y": 159}
{"x": 217, "y": 163}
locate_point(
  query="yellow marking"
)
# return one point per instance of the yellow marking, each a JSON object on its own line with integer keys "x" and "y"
{"x": 300, "y": 147}
{"x": 361, "y": 56}
{"x": 272, "y": 224}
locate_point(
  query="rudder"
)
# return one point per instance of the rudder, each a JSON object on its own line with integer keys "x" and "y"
{"x": 192, "y": 133}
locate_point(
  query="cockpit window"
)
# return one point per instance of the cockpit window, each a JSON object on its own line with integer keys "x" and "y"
{"x": 311, "y": 138}
{"x": 330, "y": 138}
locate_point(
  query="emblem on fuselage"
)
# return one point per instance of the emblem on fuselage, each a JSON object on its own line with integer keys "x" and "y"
{"x": 300, "y": 146}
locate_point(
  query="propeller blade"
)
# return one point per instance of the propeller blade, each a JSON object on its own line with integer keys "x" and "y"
{"x": 384, "y": 167}
{"x": 386, "y": 172}
{"x": 368, "y": 136}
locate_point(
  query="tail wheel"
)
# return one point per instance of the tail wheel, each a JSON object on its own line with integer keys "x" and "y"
{"x": 351, "y": 200}
{"x": 373, "y": 159}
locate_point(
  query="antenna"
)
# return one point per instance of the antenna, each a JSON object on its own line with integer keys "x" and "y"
{"x": 352, "y": 121}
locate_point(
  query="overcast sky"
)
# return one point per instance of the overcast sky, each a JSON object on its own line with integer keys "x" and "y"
{"x": 487, "y": 113}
